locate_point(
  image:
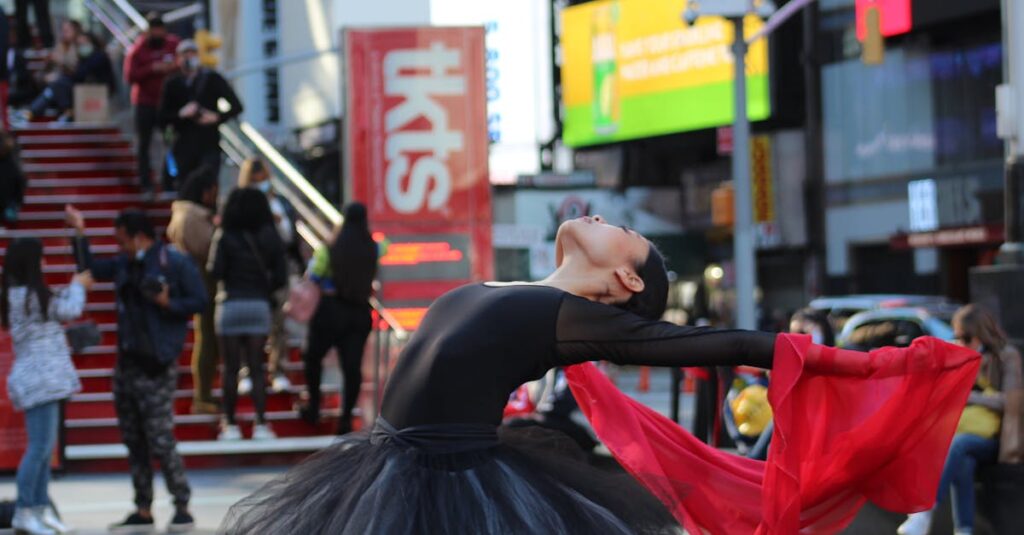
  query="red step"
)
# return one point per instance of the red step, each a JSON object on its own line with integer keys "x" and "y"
{"x": 101, "y": 405}
{"x": 50, "y": 158}
{"x": 74, "y": 129}
{"x": 74, "y": 141}
{"x": 202, "y": 427}
{"x": 95, "y": 218}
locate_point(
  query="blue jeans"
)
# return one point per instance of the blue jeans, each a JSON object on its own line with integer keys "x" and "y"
{"x": 34, "y": 471}
{"x": 965, "y": 453}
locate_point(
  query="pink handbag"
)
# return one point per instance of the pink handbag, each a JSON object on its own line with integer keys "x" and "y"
{"x": 303, "y": 299}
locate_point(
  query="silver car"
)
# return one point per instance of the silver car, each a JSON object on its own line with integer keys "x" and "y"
{"x": 892, "y": 327}
{"x": 840, "y": 308}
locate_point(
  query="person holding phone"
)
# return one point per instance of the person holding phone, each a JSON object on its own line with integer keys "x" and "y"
{"x": 158, "y": 290}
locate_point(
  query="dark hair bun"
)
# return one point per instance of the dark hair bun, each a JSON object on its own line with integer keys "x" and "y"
{"x": 650, "y": 303}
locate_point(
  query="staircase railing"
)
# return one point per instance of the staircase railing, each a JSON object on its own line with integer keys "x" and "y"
{"x": 317, "y": 216}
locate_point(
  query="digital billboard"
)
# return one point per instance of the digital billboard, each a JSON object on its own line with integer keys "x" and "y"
{"x": 633, "y": 69}
{"x": 416, "y": 154}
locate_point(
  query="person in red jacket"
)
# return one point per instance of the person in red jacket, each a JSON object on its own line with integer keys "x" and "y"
{"x": 146, "y": 66}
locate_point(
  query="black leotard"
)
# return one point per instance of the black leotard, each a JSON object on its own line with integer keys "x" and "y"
{"x": 479, "y": 342}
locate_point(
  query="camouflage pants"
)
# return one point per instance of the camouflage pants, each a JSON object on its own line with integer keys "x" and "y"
{"x": 145, "y": 415}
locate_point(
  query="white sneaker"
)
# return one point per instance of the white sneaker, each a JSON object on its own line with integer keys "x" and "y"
{"x": 50, "y": 518}
{"x": 916, "y": 524}
{"x": 229, "y": 432}
{"x": 244, "y": 386}
{"x": 263, "y": 432}
{"x": 26, "y": 520}
{"x": 280, "y": 383}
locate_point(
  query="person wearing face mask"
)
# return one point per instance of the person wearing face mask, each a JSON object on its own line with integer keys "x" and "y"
{"x": 149, "y": 61}
{"x": 93, "y": 67}
{"x": 254, "y": 173}
{"x": 190, "y": 107}
{"x": 158, "y": 290}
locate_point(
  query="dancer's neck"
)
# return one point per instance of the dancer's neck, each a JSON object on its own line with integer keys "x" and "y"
{"x": 579, "y": 280}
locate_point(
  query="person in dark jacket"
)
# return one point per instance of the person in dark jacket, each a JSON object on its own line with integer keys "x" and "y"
{"x": 149, "y": 61}
{"x": 42, "y": 20}
{"x": 5, "y": 68}
{"x": 342, "y": 319}
{"x": 158, "y": 290}
{"x": 12, "y": 179}
{"x": 247, "y": 260}
{"x": 94, "y": 67}
{"x": 189, "y": 105}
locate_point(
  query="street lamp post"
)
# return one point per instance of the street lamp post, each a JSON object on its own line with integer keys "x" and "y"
{"x": 744, "y": 259}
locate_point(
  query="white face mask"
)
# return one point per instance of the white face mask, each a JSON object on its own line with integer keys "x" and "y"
{"x": 85, "y": 50}
{"x": 263, "y": 186}
{"x": 192, "y": 64}
{"x": 140, "y": 252}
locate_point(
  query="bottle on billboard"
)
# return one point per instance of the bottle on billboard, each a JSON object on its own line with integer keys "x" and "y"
{"x": 606, "y": 91}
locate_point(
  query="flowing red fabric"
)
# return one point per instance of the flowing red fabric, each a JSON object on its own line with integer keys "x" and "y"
{"x": 849, "y": 427}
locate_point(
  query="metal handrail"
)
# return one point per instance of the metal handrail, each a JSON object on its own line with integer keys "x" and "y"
{"x": 288, "y": 59}
{"x": 108, "y": 23}
{"x": 132, "y": 14}
{"x": 183, "y": 12}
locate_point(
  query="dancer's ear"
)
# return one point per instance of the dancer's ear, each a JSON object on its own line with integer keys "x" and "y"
{"x": 629, "y": 279}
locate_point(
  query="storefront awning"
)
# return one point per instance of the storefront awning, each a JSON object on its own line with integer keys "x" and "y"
{"x": 991, "y": 234}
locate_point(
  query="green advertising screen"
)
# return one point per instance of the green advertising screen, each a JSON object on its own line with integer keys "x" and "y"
{"x": 633, "y": 69}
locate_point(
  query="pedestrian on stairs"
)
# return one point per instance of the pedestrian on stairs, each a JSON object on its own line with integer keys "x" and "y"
{"x": 158, "y": 290}
{"x": 190, "y": 105}
{"x": 12, "y": 180}
{"x": 191, "y": 230}
{"x": 43, "y": 374}
{"x": 255, "y": 173}
{"x": 247, "y": 260}
{"x": 147, "y": 64}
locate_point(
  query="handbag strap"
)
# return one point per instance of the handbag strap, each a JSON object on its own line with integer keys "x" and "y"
{"x": 259, "y": 260}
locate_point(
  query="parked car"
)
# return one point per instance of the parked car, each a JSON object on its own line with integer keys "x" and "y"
{"x": 892, "y": 327}
{"x": 840, "y": 308}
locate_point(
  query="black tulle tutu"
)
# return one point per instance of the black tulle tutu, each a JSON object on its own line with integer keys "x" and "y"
{"x": 450, "y": 479}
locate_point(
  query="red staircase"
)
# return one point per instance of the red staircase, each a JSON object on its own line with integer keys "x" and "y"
{"x": 93, "y": 167}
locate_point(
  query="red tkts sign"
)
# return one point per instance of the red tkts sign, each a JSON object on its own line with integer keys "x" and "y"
{"x": 416, "y": 154}
{"x": 894, "y": 16}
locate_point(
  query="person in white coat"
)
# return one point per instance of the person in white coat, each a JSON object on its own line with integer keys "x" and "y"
{"x": 43, "y": 374}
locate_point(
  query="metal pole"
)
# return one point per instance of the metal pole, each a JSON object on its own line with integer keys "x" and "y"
{"x": 1012, "y": 250}
{"x": 814, "y": 188}
{"x": 743, "y": 229}
{"x": 376, "y": 369}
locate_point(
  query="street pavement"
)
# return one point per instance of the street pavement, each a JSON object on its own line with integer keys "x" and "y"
{"x": 90, "y": 502}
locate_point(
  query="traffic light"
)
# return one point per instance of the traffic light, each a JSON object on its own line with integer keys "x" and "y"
{"x": 873, "y": 51}
{"x": 207, "y": 42}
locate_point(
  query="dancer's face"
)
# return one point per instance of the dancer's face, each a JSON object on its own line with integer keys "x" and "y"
{"x": 603, "y": 248}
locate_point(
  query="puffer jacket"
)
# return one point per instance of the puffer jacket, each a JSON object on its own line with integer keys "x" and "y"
{"x": 42, "y": 371}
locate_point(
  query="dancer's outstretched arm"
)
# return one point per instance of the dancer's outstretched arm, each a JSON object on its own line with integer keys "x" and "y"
{"x": 593, "y": 331}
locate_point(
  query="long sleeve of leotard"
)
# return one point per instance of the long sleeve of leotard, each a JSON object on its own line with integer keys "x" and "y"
{"x": 587, "y": 330}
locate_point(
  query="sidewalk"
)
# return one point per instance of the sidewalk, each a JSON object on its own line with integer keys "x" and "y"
{"x": 90, "y": 502}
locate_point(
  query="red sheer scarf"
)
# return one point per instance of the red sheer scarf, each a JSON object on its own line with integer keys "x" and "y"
{"x": 849, "y": 427}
